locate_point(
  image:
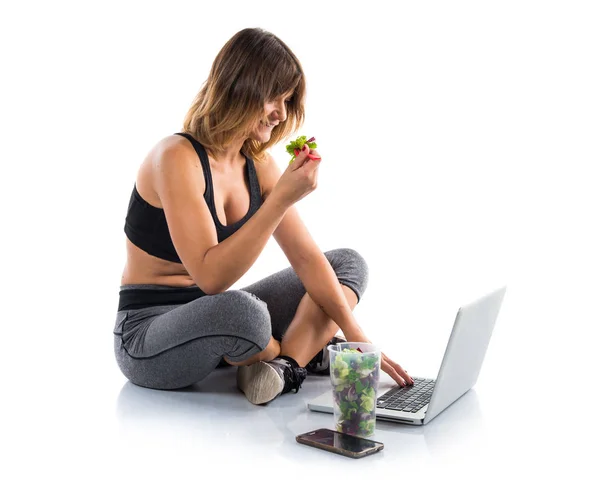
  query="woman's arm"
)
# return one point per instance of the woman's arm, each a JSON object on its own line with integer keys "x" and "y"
{"x": 214, "y": 266}
{"x": 316, "y": 273}
{"x": 235, "y": 255}
{"x": 230, "y": 259}
{"x": 321, "y": 283}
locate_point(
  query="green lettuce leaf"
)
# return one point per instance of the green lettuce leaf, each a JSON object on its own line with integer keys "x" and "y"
{"x": 299, "y": 142}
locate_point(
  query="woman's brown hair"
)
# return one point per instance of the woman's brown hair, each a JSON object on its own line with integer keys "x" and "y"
{"x": 252, "y": 68}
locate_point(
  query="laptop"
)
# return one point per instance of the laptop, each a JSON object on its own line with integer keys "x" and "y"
{"x": 420, "y": 403}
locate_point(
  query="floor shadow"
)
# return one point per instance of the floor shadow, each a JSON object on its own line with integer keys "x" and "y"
{"x": 216, "y": 398}
{"x": 215, "y": 409}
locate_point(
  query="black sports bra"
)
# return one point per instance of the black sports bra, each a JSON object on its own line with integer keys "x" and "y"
{"x": 146, "y": 225}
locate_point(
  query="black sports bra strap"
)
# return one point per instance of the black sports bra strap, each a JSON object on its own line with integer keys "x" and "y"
{"x": 203, "y": 155}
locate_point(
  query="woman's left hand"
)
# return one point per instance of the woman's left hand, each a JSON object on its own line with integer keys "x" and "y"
{"x": 395, "y": 371}
{"x": 389, "y": 366}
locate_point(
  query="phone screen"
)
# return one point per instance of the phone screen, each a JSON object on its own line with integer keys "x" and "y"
{"x": 340, "y": 441}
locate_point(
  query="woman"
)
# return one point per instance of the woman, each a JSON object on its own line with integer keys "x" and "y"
{"x": 203, "y": 207}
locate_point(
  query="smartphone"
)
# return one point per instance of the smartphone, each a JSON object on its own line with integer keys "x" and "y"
{"x": 344, "y": 444}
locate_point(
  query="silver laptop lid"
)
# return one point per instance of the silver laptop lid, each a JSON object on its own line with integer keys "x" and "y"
{"x": 465, "y": 351}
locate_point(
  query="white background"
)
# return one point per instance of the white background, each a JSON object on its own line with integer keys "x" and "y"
{"x": 459, "y": 144}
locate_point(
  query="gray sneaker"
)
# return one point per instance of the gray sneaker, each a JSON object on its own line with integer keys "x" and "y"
{"x": 264, "y": 381}
{"x": 319, "y": 365}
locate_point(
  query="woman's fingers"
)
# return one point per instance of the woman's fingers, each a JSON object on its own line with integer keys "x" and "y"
{"x": 389, "y": 369}
{"x": 405, "y": 376}
{"x": 396, "y": 369}
{"x": 312, "y": 154}
{"x": 401, "y": 371}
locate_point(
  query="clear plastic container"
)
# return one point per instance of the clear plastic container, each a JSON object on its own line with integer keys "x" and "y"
{"x": 354, "y": 370}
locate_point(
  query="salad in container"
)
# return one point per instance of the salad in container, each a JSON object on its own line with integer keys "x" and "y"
{"x": 354, "y": 372}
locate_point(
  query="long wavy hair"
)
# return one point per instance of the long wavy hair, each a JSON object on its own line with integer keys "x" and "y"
{"x": 252, "y": 68}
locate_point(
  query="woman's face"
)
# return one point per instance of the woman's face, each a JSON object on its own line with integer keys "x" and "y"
{"x": 275, "y": 113}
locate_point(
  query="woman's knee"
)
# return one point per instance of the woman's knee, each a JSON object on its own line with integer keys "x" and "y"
{"x": 244, "y": 310}
{"x": 351, "y": 269}
{"x": 247, "y": 322}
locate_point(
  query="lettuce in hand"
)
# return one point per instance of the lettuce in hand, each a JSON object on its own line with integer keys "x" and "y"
{"x": 296, "y": 146}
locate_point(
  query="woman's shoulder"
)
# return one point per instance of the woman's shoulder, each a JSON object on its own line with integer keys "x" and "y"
{"x": 171, "y": 157}
{"x": 173, "y": 144}
{"x": 173, "y": 152}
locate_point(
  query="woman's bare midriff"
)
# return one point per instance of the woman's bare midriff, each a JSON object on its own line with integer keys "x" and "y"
{"x": 143, "y": 268}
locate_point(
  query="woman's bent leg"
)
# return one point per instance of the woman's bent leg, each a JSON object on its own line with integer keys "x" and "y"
{"x": 311, "y": 329}
{"x": 168, "y": 347}
{"x": 301, "y": 326}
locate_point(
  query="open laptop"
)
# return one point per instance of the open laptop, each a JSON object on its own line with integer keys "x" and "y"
{"x": 420, "y": 403}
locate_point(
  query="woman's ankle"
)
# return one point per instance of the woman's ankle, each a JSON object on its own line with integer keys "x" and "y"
{"x": 271, "y": 352}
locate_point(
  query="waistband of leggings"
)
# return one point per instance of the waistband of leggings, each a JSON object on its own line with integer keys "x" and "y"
{"x": 137, "y": 296}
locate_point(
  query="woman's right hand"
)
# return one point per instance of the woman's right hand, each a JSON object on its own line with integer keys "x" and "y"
{"x": 299, "y": 179}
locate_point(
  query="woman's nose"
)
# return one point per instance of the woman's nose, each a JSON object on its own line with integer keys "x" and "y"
{"x": 281, "y": 114}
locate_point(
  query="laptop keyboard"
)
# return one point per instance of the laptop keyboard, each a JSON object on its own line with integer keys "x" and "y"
{"x": 409, "y": 398}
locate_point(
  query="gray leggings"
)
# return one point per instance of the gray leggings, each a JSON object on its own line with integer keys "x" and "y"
{"x": 174, "y": 346}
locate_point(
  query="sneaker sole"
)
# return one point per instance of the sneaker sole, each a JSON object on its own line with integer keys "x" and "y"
{"x": 260, "y": 382}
